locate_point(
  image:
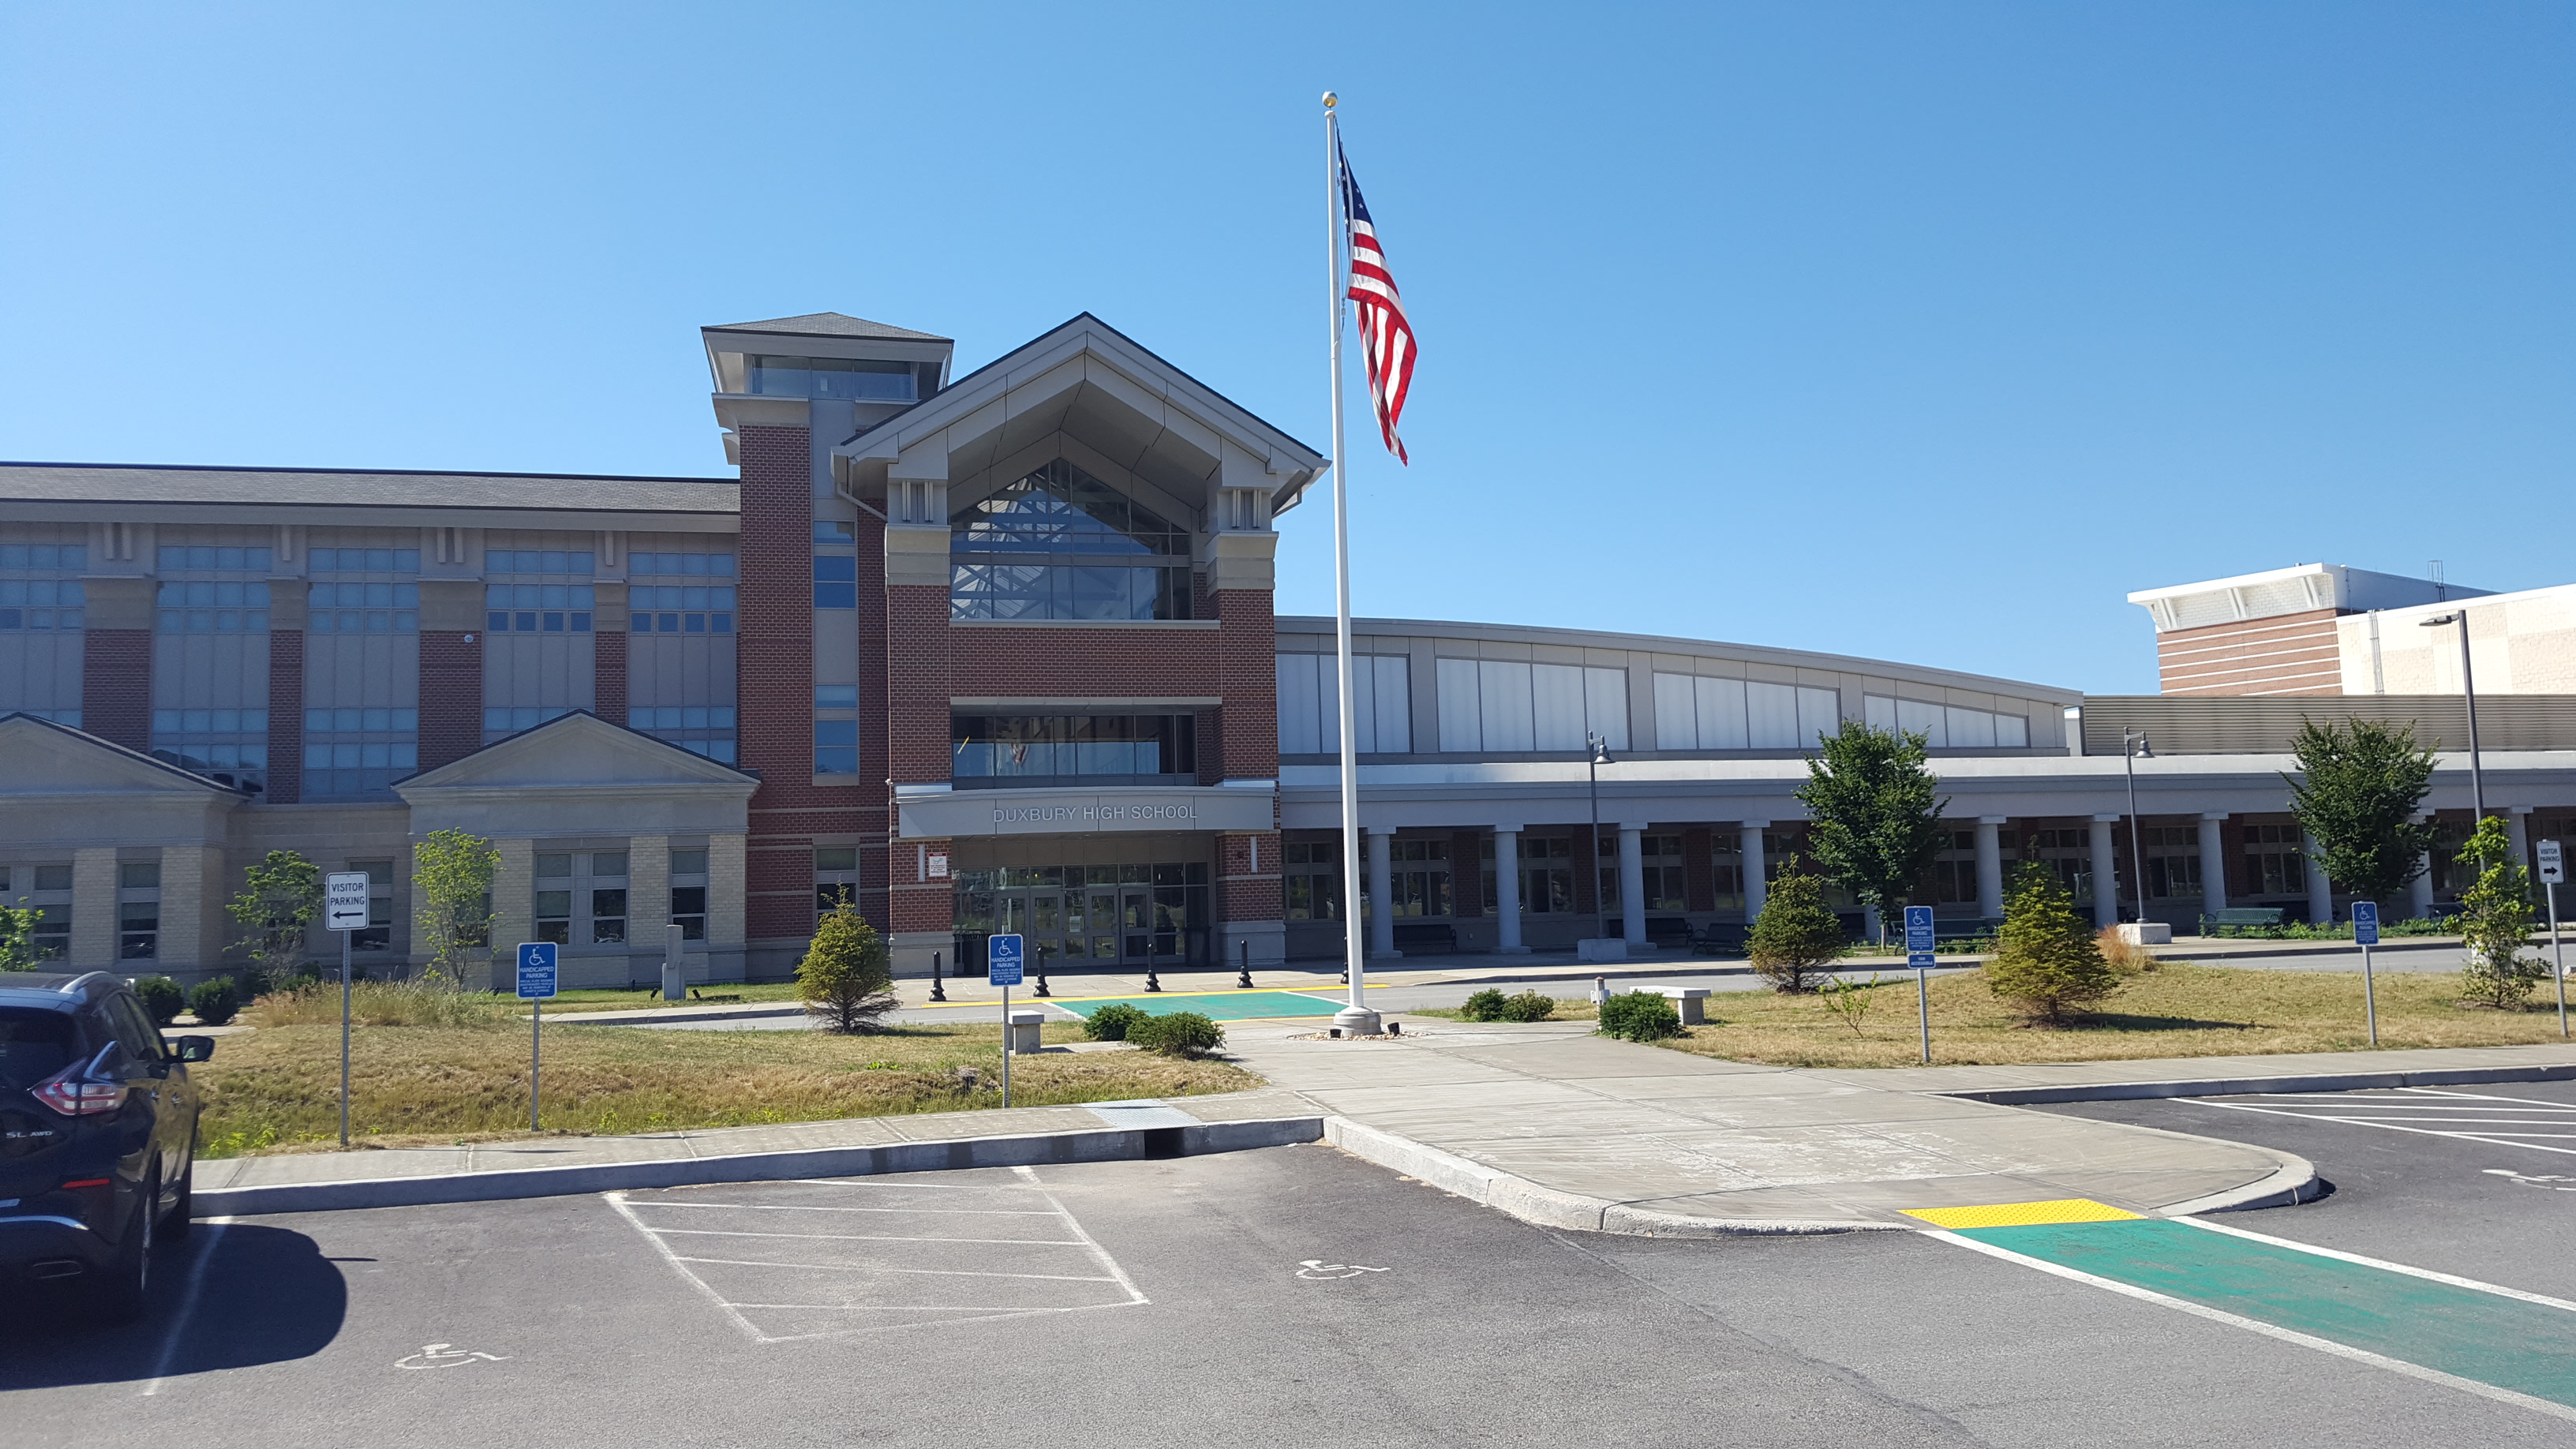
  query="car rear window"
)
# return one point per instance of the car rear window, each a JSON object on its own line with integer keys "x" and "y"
{"x": 34, "y": 1044}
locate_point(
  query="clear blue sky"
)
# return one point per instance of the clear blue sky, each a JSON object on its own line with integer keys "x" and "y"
{"x": 1908, "y": 331}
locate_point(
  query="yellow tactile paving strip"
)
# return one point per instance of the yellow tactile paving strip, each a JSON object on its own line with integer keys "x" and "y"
{"x": 2023, "y": 1214}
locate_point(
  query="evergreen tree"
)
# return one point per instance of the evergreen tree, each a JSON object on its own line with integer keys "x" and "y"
{"x": 844, "y": 978}
{"x": 2046, "y": 960}
{"x": 1796, "y": 935}
{"x": 1875, "y": 813}
{"x": 2358, "y": 790}
{"x": 2495, "y": 920}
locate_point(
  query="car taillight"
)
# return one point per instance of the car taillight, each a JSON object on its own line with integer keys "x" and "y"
{"x": 75, "y": 1098}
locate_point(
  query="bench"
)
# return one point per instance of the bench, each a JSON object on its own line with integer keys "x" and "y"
{"x": 1964, "y": 928}
{"x": 1426, "y": 940}
{"x": 2241, "y": 916}
{"x": 1690, "y": 1003}
{"x": 1721, "y": 938}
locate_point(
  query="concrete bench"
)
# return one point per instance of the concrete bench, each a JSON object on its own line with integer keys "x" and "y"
{"x": 1691, "y": 1002}
{"x": 2241, "y": 916}
{"x": 1020, "y": 1033}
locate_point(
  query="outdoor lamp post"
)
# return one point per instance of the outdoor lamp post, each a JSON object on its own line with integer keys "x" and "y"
{"x": 2468, "y": 690}
{"x": 1600, "y": 748}
{"x": 2133, "y": 748}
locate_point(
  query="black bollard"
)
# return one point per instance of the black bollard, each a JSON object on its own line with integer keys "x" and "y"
{"x": 1152, "y": 981}
{"x": 937, "y": 992}
{"x": 1042, "y": 986}
{"x": 1243, "y": 978}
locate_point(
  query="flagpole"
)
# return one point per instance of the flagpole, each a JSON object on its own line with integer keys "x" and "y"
{"x": 1355, "y": 1019}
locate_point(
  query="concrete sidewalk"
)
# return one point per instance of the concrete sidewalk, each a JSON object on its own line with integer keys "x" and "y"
{"x": 1562, "y": 1127}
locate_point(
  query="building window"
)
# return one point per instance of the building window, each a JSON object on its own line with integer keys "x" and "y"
{"x": 700, "y": 729}
{"x": 379, "y": 935}
{"x": 40, "y": 603}
{"x": 228, "y": 746}
{"x": 693, "y": 565}
{"x": 607, "y": 902}
{"x": 205, "y": 606}
{"x": 1060, "y": 544}
{"x": 363, "y": 608}
{"x": 359, "y": 752}
{"x": 1726, "y": 871}
{"x": 1547, "y": 876}
{"x": 856, "y": 379}
{"x": 46, "y": 890}
{"x": 554, "y": 897}
{"x": 500, "y": 722}
{"x": 368, "y": 561}
{"x": 521, "y": 560}
{"x": 1954, "y": 871}
{"x": 2069, "y": 855}
{"x": 834, "y": 530}
{"x": 692, "y": 608}
{"x": 2275, "y": 862}
{"x": 1667, "y": 884}
{"x": 71, "y": 556}
{"x": 1018, "y": 749}
{"x": 138, "y": 911}
{"x": 1313, "y": 879}
{"x": 1417, "y": 876}
{"x": 836, "y": 747}
{"x": 836, "y": 877}
{"x": 689, "y": 893}
{"x": 173, "y": 558}
{"x": 537, "y": 608}
{"x": 836, "y": 581}
{"x": 2173, "y": 862}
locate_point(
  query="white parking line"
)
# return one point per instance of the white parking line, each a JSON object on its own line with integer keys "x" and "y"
{"x": 825, "y": 1284}
{"x": 2392, "y": 1112}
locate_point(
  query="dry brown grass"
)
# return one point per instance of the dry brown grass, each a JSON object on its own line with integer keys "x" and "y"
{"x": 2171, "y": 1009}
{"x": 277, "y": 1088}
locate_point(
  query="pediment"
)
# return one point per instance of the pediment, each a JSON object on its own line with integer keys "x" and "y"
{"x": 44, "y": 758}
{"x": 578, "y": 751}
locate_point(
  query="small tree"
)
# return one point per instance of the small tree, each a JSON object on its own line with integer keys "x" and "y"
{"x": 1796, "y": 935}
{"x": 844, "y": 979}
{"x": 2358, "y": 790}
{"x": 279, "y": 898}
{"x": 2495, "y": 920}
{"x": 19, "y": 949}
{"x": 1875, "y": 813}
{"x": 2046, "y": 961}
{"x": 451, "y": 882}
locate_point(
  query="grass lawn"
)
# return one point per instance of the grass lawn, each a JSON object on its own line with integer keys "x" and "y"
{"x": 2172, "y": 1010}
{"x": 632, "y": 1000}
{"x": 277, "y": 1088}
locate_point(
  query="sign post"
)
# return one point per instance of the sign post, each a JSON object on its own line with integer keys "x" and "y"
{"x": 536, "y": 983}
{"x": 344, "y": 909}
{"x": 2365, "y": 929}
{"x": 1002, "y": 968}
{"x": 2553, "y": 869}
{"x": 1918, "y": 954}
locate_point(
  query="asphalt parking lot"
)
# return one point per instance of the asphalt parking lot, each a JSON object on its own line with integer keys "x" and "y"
{"x": 1245, "y": 1298}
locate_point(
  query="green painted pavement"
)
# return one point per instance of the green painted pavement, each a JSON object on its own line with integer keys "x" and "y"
{"x": 1224, "y": 1006}
{"x": 2529, "y": 1348}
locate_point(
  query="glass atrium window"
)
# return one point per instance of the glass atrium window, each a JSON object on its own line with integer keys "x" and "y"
{"x": 1061, "y": 544}
{"x": 1015, "y": 749}
{"x": 856, "y": 379}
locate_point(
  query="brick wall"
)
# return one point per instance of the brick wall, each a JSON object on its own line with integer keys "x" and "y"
{"x": 926, "y": 665}
{"x": 608, "y": 675}
{"x": 285, "y": 716}
{"x": 917, "y": 902}
{"x": 116, "y": 686}
{"x": 451, "y": 696}
{"x": 1244, "y": 893}
{"x": 1248, "y": 680}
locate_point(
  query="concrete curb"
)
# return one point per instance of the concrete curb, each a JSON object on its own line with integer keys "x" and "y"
{"x": 2236, "y": 1086}
{"x": 1029, "y": 1149}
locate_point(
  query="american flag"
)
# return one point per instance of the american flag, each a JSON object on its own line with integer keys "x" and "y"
{"x": 1386, "y": 339}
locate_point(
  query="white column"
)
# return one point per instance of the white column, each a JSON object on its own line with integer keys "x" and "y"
{"x": 2106, "y": 872}
{"x": 2213, "y": 864}
{"x": 2517, "y": 828}
{"x": 1632, "y": 883}
{"x": 1381, "y": 908}
{"x": 1751, "y": 845}
{"x": 1990, "y": 867}
{"x": 2320, "y": 885}
{"x": 1507, "y": 889}
{"x": 2419, "y": 892}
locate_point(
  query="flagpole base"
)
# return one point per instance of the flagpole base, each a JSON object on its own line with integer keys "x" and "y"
{"x": 1357, "y": 1021}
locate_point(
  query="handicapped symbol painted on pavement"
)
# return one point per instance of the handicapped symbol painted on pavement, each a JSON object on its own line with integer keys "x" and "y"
{"x": 444, "y": 1355}
{"x": 1318, "y": 1269}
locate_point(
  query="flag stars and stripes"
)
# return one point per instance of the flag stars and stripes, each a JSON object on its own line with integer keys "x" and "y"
{"x": 1386, "y": 338}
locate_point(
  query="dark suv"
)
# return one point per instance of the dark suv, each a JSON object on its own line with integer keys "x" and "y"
{"x": 98, "y": 1136}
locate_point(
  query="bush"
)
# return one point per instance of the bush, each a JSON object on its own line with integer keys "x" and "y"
{"x": 162, "y": 998}
{"x": 844, "y": 980}
{"x": 1485, "y": 1005}
{"x": 380, "y": 1003}
{"x": 2046, "y": 960}
{"x": 2122, "y": 956}
{"x": 1796, "y": 936}
{"x": 1640, "y": 1016}
{"x": 214, "y": 1001}
{"x": 1529, "y": 1006}
{"x": 1181, "y": 1034}
{"x": 1112, "y": 1022}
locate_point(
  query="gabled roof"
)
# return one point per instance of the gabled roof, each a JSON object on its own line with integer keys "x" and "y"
{"x": 577, "y": 749}
{"x": 51, "y": 759}
{"x": 828, "y": 324}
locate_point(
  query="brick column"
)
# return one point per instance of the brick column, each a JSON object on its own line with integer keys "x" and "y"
{"x": 451, "y": 697}
{"x": 608, "y": 654}
{"x": 285, "y": 713}
{"x": 1250, "y": 899}
{"x": 1248, "y": 675}
{"x": 116, "y": 686}
{"x": 923, "y": 907}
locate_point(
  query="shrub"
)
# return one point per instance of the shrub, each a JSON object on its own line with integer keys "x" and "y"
{"x": 2046, "y": 962}
{"x": 1112, "y": 1022}
{"x": 1181, "y": 1034}
{"x": 844, "y": 980}
{"x": 1795, "y": 936}
{"x": 1485, "y": 1005}
{"x": 162, "y": 998}
{"x": 1640, "y": 1016}
{"x": 2495, "y": 921}
{"x": 1529, "y": 1006}
{"x": 214, "y": 1001}
{"x": 2123, "y": 956}
{"x": 379, "y": 1003}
